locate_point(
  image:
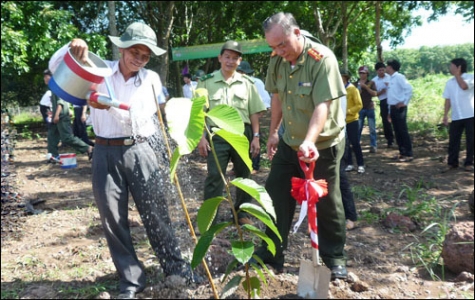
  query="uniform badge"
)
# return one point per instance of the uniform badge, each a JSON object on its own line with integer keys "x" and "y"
{"x": 315, "y": 54}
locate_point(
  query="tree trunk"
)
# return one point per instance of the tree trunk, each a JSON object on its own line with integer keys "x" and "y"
{"x": 379, "y": 47}
{"x": 113, "y": 28}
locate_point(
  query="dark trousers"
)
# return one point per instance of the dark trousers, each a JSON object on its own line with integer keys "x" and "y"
{"x": 214, "y": 184}
{"x": 398, "y": 118}
{"x": 387, "y": 127}
{"x": 331, "y": 215}
{"x": 79, "y": 127}
{"x": 116, "y": 171}
{"x": 353, "y": 144}
{"x": 455, "y": 136}
{"x": 347, "y": 195}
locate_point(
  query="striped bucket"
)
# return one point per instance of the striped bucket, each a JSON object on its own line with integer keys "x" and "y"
{"x": 73, "y": 80}
{"x": 68, "y": 160}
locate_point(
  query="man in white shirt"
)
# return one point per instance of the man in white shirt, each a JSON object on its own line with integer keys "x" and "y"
{"x": 399, "y": 95}
{"x": 381, "y": 80}
{"x": 458, "y": 94}
{"x": 124, "y": 160}
{"x": 189, "y": 87}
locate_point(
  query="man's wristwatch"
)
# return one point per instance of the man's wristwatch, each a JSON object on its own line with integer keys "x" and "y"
{"x": 256, "y": 134}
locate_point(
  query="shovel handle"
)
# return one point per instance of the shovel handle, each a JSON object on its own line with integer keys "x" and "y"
{"x": 308, "y": 170}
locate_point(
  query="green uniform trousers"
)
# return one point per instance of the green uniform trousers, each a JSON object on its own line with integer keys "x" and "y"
{"x": 214, "y": 184}
{"x": 330, "y": 212}
{"x": 63, "y": 131}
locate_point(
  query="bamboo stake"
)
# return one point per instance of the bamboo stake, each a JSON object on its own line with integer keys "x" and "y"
{"x": 183, "y": 204}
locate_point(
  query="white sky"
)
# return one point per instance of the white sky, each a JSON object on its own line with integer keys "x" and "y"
{"x": 448, "y": 30}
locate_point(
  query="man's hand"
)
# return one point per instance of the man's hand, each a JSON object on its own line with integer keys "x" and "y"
{"x": 203, "y": 147}
{"x": 309, "y": 151}
{"x": 272, "y": 143}
{"x": 97, "y": 105}
{"x": 79, "y": 50}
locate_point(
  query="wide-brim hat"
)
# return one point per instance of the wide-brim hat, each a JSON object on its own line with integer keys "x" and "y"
{"x": 138, "y": 33}
{"x": 245, "y": 67}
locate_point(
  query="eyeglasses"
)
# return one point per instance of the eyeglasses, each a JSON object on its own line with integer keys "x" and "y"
{"x": 136, "y": 54}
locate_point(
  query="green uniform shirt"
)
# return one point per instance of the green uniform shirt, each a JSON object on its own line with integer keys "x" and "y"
{"x": 314, "y": 79}
{"x": 241, "y": 93}
{"x": 55, "y": 101}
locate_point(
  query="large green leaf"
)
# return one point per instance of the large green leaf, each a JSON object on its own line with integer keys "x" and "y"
{"x": 204, "y": 242}
{"x": 242, "y": 250}
{"x": 259, "y": 213}
{"x": 207, "y": 213}
{"x": 226, "y": 117}
{"x": 256, "y": 231}
{"x": 185, "y": 120}
{"x": 239, "y": 142}
{"x": 174, "y": 163}
{"x": 257, "y": 192}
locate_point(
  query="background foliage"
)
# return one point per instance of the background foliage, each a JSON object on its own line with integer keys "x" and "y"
{"x": 33, "y": 30}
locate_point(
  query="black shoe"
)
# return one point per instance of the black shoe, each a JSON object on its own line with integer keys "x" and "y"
{"x": 127, "y": 295}
{"x": 339, "y": 272}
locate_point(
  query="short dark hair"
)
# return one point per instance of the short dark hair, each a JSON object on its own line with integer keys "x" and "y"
{"x": 286, "y": 20}
{"x": 47, "y": 72}
{"x": 460, "y": 62}
{"x": 379, "y": 65}
{"x": 187, "y": 75}
{"x": 394, "y": 64}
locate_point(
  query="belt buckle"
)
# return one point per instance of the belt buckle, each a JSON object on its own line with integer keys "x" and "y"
{"x": 128, "y": 142}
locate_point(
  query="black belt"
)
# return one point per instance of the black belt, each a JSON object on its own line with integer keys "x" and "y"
{"x": 129, "y": 141}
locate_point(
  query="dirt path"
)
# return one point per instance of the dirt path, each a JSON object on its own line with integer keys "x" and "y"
{"x": 57, "y": 250}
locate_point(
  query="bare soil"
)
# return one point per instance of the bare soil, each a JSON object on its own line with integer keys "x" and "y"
{"x": 53, "y": 247}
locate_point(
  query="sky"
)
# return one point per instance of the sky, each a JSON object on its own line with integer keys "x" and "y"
{"x": 448, "y": 30}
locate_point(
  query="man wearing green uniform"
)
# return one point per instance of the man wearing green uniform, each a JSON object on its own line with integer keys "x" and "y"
{"x": 60, "y": 129}
{"x": 226, "y": 86}
{"x": 306, "y": 85}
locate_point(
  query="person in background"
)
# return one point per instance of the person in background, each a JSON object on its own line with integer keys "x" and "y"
{"x": 367, "y": 92}
{"x": 353, "y": 106}
{"x": 125, "y": 162}
{"x": 226, "y": 86}
{"x": 381, "y": 80}
{"x": 79, "y": 123}
{"x": 399, "y": 95}
{"x": 45, "y": 102}
{"x": 306, "y": 86}
{"x": 245, "y": 68}
{"x": 60, "y": 130}
{"x": 345, "y": 187}
{"x": 458, "y": 94}
{"x": 189, "y": 87}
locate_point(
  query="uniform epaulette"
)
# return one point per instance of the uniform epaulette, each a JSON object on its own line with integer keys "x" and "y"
{"x": 249, "y": 78}
{"x": 315, "y": 54}
{"x": 207, "y": 76}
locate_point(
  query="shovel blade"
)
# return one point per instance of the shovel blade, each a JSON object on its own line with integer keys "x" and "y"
{"x": 314, "y": 281}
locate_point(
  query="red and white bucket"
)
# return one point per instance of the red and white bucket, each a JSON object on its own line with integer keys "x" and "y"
{"x": 72, "y": 80}
{"x": 68, "y": 160}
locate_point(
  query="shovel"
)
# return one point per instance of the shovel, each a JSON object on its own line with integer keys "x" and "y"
{"x": 314, "y": 278}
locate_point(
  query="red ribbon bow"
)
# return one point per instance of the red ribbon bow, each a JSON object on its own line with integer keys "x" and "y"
{"x": 309, "y": 190}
